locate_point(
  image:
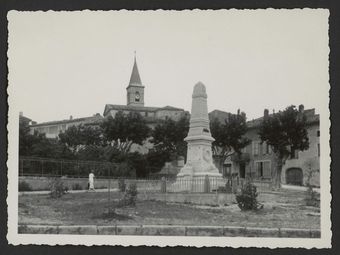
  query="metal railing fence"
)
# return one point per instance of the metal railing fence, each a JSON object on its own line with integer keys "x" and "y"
{"x": 47, "y": 167}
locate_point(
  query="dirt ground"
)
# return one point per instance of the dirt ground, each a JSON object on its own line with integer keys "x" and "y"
{"x": 288, "y": 210}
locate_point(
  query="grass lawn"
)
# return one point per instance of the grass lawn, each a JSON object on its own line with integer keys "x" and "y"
{"x": 89, "y": 208}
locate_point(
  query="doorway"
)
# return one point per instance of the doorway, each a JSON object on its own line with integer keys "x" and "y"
{"x": 294, "y": 176}
{"x": 242, "y": 170}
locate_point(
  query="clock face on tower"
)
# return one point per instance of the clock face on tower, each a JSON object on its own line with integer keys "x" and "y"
{"x": 137, "y": 97}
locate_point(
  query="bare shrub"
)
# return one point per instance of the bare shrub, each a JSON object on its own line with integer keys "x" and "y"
{"x": 121, "y": 185}
{"x": 24, "y": 186}
{"x": 57, "y": 188}
{"x": 129, "y": 197}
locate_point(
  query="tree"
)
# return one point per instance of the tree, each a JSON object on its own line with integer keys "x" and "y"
{"x": 285, "y": 132}
{"x": 168, "y": 138}
{"x": 156, "y": 159}
{"x": 125, "y": 129}
{"x": 39, "y": 146}
{"x": 76, "y": 137}
{"x": 229, "y": 136}
{"x": 91, "y": 152}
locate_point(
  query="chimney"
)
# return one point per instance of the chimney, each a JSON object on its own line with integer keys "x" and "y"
{"x": 301, "y": 108}
{"x": 243, "y": 114}
{"x": 71, "y": 117}
{"x": 21, "y": 114}
{"x": 266, "y": 113}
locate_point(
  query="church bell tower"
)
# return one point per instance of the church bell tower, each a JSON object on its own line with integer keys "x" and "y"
{"x": 135, "y": 89}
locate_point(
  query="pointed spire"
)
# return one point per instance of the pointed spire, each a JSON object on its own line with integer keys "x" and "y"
{"x": 135, "y": 78}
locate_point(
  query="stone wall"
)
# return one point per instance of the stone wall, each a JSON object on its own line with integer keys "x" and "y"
{"x": 42, "y": 183}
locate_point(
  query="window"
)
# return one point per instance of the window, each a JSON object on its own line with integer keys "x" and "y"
{"x": 318, "y": 150}
{"x": 255, "y": 148}
{"x": 294, "y": 154}
{"x": 266, "y": 148}
{"x": 53, "y": 129}
{"x": 318, "y": 133}
{"x": 263, "y": 169}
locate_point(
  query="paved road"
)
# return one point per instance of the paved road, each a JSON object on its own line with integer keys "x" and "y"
{"x": 302, "y": 188}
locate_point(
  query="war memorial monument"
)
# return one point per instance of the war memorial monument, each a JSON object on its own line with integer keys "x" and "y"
{"x": 199, "y": 168}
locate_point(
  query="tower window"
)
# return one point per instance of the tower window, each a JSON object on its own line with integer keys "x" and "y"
{"x": 137, "y": 97}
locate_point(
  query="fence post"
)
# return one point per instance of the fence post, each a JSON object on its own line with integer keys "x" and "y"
{"x": 42, "y": 168}
{"x": 61, "y": 168}
{"x": 206, "y": 184}
{"x": 78, "y": 168}
{"x": 163, "y": 185}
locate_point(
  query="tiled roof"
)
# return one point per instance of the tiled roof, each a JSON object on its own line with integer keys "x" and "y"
{"x": 128, "y": 108}
{"x": 118, "y": 107}
{"x": 309, "y": 113}
{"x": 220, "y": 115}
{"x": 25, "y": 119}
{"x": 170, "y": 108}
{"x": 92, "y": 119}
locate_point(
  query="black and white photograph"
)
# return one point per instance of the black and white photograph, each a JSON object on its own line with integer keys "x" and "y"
{"x": 164, "y": 128}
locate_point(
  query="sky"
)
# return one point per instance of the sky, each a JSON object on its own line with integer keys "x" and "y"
{"x": 73, "y": 63}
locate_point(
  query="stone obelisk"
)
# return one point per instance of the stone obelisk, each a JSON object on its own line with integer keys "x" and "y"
{"x": 199, "y": 163}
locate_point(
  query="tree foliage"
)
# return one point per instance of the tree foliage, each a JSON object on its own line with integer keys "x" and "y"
{"x": 76, "y": 137}
{"x": 125, "y": 129}
{"x": 168, "y": 138}
{"x": 38, "y": 145}
{"x": 229, "y": 136}
{"x": 285, "y": 132}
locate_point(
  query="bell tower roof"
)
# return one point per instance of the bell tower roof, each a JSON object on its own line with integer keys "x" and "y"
{"x": 135, "y": 77}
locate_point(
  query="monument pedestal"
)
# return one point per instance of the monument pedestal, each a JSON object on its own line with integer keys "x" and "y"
{"x": 204, "y": 183}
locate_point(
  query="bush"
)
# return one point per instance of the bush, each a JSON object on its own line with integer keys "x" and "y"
{"x": 247, "y": 198}
{"x": 121, "y": 185}
{"x": 24, "y": 186}
{"x": 312, "y": 198}
{"x": 57, "y": 188}
{"x": 125, "y": 169}
{"x": 77, "y": 186}
{"x": 129, "y": 197}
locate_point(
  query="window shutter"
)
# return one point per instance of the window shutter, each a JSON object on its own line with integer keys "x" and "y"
{"x": 266, "y": 169}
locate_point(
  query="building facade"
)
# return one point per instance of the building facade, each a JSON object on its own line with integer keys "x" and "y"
{"x": 257, "y": 160}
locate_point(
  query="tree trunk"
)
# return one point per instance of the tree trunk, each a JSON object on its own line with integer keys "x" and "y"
{"x": 277, "y": 174}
